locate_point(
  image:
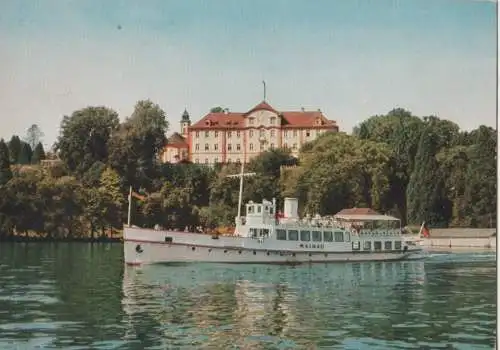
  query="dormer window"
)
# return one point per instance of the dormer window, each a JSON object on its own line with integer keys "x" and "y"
{"x": 251, "y": 120}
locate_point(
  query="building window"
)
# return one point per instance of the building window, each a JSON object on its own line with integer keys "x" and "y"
{"x": 216, "y": 146}
{"x": 272, "y": 145}
{"x": 206, "y": 160}
{"x": 197, "y": 147}
{"x": 295, "y": 133}
{"x": 294, "y": 146}
{"x": 229, "y": 160}
{"x": 308, "y": 133}
{"x": 229, "y": 134}
{"x": 273, "y": 133}
{"x": 262, "y": 132}
{"x": 285, "y": 145}
{"x": 197, "y": 134}
{"x": 237, "y": 134}
{"x": 207, "y": 133}
{"x": 216, "y": 133}
{"x": 286, "y": 134}
{"x": 261, "y": 146}
{"x": 238, "y": 147}
{"x": 238, "y": 161}
{"x": 216, "y": 160}
{"x": 251, "y": 147}
{"x": 251, "y": 120}
{"x": 272, "y": 120}
{"x": 229, "y": 147}
{"x": 197, "y": 161}
{"x": 206, "y": 147}
{"x": 250, "y": 133}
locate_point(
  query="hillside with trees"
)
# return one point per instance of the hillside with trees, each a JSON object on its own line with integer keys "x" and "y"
{"x": 415, "y": 168}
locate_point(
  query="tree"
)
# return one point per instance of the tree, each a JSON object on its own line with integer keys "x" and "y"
{"x": 84, "y": 137}
{"x": 38, "y": 154}
{"x": 134, "y": 149}
{"x": 14, "y": 149}
{"x": 5, "y": 171}
{"x": 25, "y": 154}
{"x": 33, "y": 135}
{"x": 218, "y": 109}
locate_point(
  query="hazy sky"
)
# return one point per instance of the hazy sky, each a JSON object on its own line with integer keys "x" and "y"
{"x": 351, "y": 58}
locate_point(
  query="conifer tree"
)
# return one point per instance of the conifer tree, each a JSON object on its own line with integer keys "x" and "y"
{"x": 5, "y": 171}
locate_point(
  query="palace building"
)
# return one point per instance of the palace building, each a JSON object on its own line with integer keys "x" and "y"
{"x": 225, "y": 137}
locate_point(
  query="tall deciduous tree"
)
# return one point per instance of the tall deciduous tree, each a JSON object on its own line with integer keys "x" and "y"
{"x": 135, "y": 148}
{"x": 84, "y": 137}
{"x": 33, "y": 135}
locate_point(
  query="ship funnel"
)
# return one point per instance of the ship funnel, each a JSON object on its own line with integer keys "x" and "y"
{"x": 291, "y": 208}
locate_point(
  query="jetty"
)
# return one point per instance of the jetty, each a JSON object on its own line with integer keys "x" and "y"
{"x": 461, "y": 239}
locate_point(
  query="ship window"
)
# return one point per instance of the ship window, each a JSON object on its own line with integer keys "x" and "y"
{"x": 316, "y": 236}
{"x": 377, "y": 245}
{"x": 253, "y": 232}
{"x": 328, "y": 236}
{"x": 281, "y": 235}
{"x": 293, "y": 235}
{"x": 271, "y": 210}
{"x": 259, "y": 208}
{"x": 250, "y": 209}
{"x": 388, "y": 245}
{"x": 264, "y": 232}
{"x": 347, "y": 237}
{"x": 339, "y": 236}
{"x": 397, "y": 245}
{"x": 305, "y": 236}
{"x": 367, "y": 245}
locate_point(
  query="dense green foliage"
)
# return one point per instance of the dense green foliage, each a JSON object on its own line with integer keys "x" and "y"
{"x": 414, "y": 168}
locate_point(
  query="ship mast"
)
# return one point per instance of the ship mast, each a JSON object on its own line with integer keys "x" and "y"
{"x": 240, "y": 196}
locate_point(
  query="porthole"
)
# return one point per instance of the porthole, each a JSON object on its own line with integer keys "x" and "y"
{"x": 254, "y": 252}
{"x": 193, "y": 249}
{"x": 310, "y": 254}
{"x": 267, "y": 253}
{"x": 138, "y": 249}
{"x": 225, "y": 250}
{"x": 293, "y": 254}
{"x": 326, "y": 255}
{"x": 239, "y": 251}
{"x": 209, "y": 250}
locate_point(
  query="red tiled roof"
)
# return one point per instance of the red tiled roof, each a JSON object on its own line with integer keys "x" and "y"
{"x": 176, "y": 140}
{"x": 262, "y": 106}
{"x": 234, "y": 120}
{"x": 357, "y": 211}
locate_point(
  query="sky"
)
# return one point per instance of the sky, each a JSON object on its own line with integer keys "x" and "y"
{"x": 350, "y": 58}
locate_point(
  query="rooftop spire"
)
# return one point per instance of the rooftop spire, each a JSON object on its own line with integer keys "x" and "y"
{"x": 264, "y": 83}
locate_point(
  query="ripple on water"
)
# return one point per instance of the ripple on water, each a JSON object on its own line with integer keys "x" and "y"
{"x": 93, "y": 303}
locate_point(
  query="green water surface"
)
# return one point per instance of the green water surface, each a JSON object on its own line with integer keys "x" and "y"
{"x": 80, "y": 296}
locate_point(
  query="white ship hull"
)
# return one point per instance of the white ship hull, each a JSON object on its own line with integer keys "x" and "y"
{"x": 143, "y": 246}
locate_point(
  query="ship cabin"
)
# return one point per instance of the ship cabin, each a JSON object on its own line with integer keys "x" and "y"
{"x": 367, "y": 221}
{"x": 259, "y": 220}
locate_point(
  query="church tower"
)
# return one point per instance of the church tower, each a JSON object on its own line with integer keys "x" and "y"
{"x": 185, "y": 124}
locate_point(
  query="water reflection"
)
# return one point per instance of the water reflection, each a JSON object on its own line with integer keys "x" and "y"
{"x": 258, "y": 306}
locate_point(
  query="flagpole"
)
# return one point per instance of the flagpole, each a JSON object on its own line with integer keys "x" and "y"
{"x": 129, "y": 206}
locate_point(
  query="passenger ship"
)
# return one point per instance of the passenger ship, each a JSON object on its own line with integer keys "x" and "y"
{"x": 261, "y": 236}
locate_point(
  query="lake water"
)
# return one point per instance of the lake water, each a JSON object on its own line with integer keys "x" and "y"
{"x": 80, "y": 296}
